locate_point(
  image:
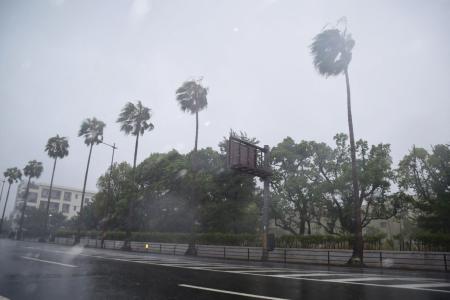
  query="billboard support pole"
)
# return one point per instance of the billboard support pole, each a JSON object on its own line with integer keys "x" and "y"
{"x": 266, "y": 204}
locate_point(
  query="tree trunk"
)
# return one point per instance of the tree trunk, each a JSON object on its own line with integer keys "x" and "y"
{"x": 196, "y": 131}
{"x": 135, "y": 151}
{"x": 4, "y": 208}
{"x": 49, "y": 196}
{"x": 24, "y": 206}
{"x": 83, "y": 194}
{"x": 358, "y": 244}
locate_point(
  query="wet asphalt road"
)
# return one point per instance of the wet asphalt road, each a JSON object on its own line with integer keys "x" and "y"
{"x": 41, "y": 271}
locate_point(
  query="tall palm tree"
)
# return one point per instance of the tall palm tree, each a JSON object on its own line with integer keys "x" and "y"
{"x": 134, "y": 120}
{"x": 192, "y": 97}
{"x": 332, "y": 53}
{"x": 57, "y": 147}
{"x": 92, "y": 131}
{"x": 33, "y": 170}
{"x": 12, "y": 175}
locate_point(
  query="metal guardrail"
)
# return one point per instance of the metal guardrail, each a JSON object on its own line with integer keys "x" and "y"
{"x": 437, "y": 261}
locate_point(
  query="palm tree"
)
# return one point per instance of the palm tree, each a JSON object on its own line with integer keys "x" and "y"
{"x": 134, "y": 120}
{"x": 332, "y": 53}
{"x": 32, "y": 170}
{"x": 57, "y": 147}
{"x": 192, "y": 97}
{"x": 92, "y": 131}
{"x": 12, "y": 175}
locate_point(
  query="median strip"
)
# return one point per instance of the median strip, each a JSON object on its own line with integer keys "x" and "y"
{"x": 229, "y": 292}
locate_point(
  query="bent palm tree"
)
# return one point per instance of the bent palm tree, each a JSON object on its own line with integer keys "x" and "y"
{"x": 12, "y": 175}
{"x": 32, "y": 170}
{"x": 92, "y": 131}
{"x": 192, "y": 97}
{"x": 57, "y": 147}
{"x": 134, "y": 120}
{"x": 332, "y": 53}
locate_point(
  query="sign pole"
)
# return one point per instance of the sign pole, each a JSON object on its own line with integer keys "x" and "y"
{"x": 266, "y": 204}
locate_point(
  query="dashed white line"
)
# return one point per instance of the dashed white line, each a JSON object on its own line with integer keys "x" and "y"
{"x": 230, "y": 292}
{"x": 49, "y": 262}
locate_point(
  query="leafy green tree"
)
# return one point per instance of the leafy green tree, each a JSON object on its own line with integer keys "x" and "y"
{"x": 333, "y": 171}
{"x": 32, "y": 170}
{"x": 427, "y": 176}
{"x": 92, "y": 131}
{"x": 332, "y": 53}
{"x": 192, "y": 98}
{"x": 294, "y": 186}
{"x": 134, "y": 120}
{"x": 33, "y": 219}
{"x": 57, "y": 147}
{"x": 12, "y": 175}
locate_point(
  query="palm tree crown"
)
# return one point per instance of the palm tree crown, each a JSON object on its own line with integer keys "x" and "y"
{"x": 192, "y": 96}
{"x": 33, "y": 169}
{"x": 332, "y": 51}
{"x": 57, "y": 147}
{"x": 12, "y": 175}
{"x": 135, "y": 119}
{"x": 92, "y": 131}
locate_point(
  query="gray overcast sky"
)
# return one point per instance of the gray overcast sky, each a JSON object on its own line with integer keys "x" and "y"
{"x": 62, "y": 61}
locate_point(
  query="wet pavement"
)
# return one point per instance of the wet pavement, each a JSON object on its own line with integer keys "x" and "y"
{"x": 43, "y": 271}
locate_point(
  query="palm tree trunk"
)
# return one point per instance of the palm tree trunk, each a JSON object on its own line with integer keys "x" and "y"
{"x": 196, "y": 131}
{"x": 135, "y": 151}
{"x": 83, "y": 194}
{"x": 24, "y": 206}
{"x": 358, "y": 244}
{"x": 49, "y": 195}
{"x": 4, "y": 208}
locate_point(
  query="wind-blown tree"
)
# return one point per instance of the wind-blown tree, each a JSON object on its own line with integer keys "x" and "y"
{"x": 32, "y": 170}
{"x": 192, "y": 98}
{"x": 332, "y": 171}
{"x": 92, "y": 131}
{"x": 134, "y": 120}
{"x": 12, "y": 175}
{"x": 294, "y": 188}
{"x": 426, "y": 176}
{"x": 57, "y": 147}
{"x": 332, "y": 52}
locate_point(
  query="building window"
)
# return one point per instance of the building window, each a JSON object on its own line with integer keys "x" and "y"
{"x": 76, "y": 196}
{"x": 65, "y": 208}
{"x": 74, "y": 208}
{"x": 42, "y": 204}
{"x": 67, "y": 196}
{"x": 32, "y": 197}
{"x": 54, "y": 207}
{"x": 55, "y": 194}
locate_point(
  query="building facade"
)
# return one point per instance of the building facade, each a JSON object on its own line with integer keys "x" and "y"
{"x": 63, "y": 199}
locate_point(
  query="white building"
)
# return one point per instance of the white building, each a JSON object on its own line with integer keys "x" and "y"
{"x": 63, "y": 199}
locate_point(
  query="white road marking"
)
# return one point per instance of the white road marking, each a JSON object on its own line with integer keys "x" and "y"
{"x": 295, "y": 275}
{"x": 265, "y": 275}
{"x": 422, "y": 285}
{"x": 49, "y": 262}
{"x": 365, "y": 279}
{"x": 229, "y": 292}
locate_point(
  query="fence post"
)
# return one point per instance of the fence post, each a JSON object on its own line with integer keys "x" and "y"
{"x": 445, "y": 262}
{"x": 160, "y": 248}
{"x": 381, "y": 259}
{"x": 248, "y": 254}
{"x": 114, "y": 244}
{"x": 224, "y": 252}
{"x": 175, "y": 249}
{"x": 328, "y": 257}
{"x": 285, "y": 254}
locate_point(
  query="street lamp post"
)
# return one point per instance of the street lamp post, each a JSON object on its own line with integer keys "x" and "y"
{"x": 114, "y": 148}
